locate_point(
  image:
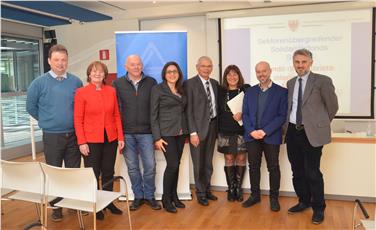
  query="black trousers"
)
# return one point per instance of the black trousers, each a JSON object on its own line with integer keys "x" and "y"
{"x": 59, "y": 147}
{"x": 102, "y": 158}
{"x": 305, "y": 164}
{"x": 174, "y": 151}
{"x": 202, "y": 159}
{"x": 255, "y": 149}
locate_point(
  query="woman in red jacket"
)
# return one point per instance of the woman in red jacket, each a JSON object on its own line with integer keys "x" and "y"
{"x": 98, "y": 127}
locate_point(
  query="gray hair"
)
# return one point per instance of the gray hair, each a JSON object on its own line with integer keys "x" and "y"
{"x": 303, "y": 52}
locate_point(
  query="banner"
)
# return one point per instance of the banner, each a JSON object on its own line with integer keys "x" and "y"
{"x": 155, "y": 48}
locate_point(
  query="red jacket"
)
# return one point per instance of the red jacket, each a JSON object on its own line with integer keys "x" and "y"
{"x": 95, "y": 111}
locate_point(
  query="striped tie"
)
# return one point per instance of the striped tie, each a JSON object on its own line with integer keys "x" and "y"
{"x": 59, "y": 78}
{"x": 208, "y": 94}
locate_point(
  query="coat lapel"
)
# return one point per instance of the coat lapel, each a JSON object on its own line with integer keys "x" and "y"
{"x": 290, "y": 88}
{"x": 308, "y": 87}
{"x": 168, "y": 91}
{"x": 200, "y": 86}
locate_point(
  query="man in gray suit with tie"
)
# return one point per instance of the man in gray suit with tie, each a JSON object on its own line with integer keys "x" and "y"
{"x": 202, "y": 123}
{"x": 312, "y": 105}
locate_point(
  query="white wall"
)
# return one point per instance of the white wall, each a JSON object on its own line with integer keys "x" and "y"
{"x": 84, "y": 41}
{"x": 202, "y": 36}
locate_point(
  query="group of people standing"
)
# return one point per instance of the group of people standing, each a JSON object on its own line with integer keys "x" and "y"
{"x": 137, "y": 115}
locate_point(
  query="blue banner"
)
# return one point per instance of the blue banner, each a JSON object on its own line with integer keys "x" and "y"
{"x": 154, "y": 48}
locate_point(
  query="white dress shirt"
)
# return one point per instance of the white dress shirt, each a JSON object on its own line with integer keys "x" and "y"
{"x": 295, "y": 97}
{"x": 54, "y": 75}
{"x": 212, "y": 95}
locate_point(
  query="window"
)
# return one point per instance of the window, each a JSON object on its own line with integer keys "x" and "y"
{"x": 20, "y": 65}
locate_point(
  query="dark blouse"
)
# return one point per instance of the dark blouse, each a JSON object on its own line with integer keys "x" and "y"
{"x": 226, "y": 123}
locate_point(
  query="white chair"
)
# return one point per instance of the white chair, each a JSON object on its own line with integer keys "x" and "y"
{"x": 78, "y": 188}
{"x": 26, "y": 181}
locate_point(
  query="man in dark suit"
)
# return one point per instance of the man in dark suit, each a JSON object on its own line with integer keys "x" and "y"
{"x": 312, "y": 105}
{"x": 202, "y": 124}
{"x": 264, "y": 113}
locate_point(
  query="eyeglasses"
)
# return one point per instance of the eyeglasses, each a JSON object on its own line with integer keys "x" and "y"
{"x": 171, "y": 71}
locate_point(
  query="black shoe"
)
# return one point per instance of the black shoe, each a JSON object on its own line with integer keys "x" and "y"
{"x": 251, "y": 201}
{"x": 168, "y": 206}
{"x": 153, "y": 204}
{"x": 298, "y": 208}
{"x": 202, "y": 200}
{"x": 274, "y": 204}
{"x": 318, "y": 216}
{"x": 114, "y": 210}
{"x": 57, "y": 214}
{"x": 136, "y": 204}
{"x": 210, "y": 196}
{"x": 100, "y": 215}
{"x": 178, "y": 203}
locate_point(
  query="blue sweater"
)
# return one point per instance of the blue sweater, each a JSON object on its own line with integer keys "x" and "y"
{"x": 273, "y": 116}
{"x": 51, "y": 102}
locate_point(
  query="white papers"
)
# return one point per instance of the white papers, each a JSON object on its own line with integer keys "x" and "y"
{"x": 236, "y": 105}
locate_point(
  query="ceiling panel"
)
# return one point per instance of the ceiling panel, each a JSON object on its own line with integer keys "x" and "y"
{"x": 48, "y": 13}
{"x": 30, "y": 17}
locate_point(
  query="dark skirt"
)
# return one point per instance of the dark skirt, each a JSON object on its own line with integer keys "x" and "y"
{"x": 231, "y": 144}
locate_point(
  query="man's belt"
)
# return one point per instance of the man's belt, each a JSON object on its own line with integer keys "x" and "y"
{"x": 297, "y": 127}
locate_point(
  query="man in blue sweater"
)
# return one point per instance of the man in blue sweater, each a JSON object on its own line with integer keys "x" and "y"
{"x": 50, "y": 102}
{"x": 264, "y": 113}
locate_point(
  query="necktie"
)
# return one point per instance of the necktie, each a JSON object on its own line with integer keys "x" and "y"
{"x": 299, "y": 107}
{"x": 59, "y": 78}
{"x": 208, "y": 94}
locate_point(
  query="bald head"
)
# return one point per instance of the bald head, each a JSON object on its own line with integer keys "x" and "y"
{"x": 262, "y": 64}
{"x": 134, "y": 66}
{"x": 263, "y": 72}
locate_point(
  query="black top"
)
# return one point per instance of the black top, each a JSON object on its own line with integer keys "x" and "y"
{"x": 261, "y": 104}
{"x": 226, "y": 123}
{"x": 134, "y": 104}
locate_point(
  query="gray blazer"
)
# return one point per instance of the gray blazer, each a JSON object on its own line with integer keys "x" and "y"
{"x": 320, "y": 105}
{"x": 167, "y": 112}
{"x": 198, "y": 113}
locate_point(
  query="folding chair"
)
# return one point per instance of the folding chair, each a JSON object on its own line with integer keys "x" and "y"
{"x": 78, "y": 188}
{"x": 367, "y": 224}
{"x": 24, "y": 181}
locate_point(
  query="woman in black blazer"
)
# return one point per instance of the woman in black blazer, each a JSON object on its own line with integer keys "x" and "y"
{"x": 169, "y": 128}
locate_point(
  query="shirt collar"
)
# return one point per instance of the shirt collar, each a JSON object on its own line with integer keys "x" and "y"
{"x": 203, "y": 79}
{"x": 269, "y": 85}
{"x": 133, "y": 82}
{"x": 305, "y": 76}
{"x": 54, "y": 75}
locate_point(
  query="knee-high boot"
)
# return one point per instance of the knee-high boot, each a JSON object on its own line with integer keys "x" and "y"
{"x": 231, "y": 182}
{"x": 239, "y": 181}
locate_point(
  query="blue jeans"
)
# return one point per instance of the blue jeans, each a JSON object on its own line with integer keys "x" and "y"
{"x": 140, "y": 145}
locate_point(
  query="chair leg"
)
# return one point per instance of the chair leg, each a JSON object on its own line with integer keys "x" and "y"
{"x": 39, "y": 221}
{"x": 95, "y": 217}
{"x": 80, "y": 220}
{"x": 128, "y": 211}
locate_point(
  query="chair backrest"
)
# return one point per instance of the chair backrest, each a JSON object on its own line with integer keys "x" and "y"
{"x": 22, "y": 176}
{"x": 73, "y": 183}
